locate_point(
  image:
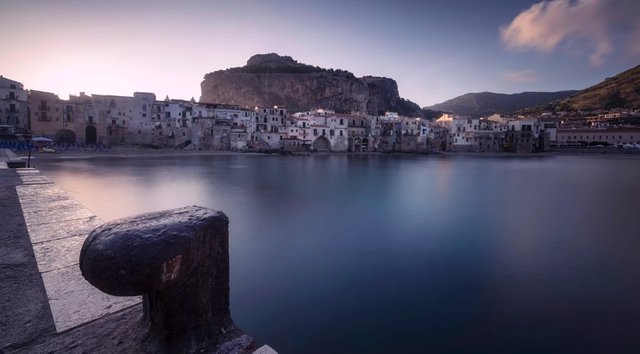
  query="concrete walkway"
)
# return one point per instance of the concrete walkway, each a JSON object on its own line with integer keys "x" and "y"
{"x": 42, "y": 231}
{"x": 23, "y": 299}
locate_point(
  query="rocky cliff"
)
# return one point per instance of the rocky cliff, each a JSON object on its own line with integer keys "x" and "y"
{"x": 271, "y": 79}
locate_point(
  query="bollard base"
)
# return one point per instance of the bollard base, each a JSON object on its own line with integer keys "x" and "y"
{"x": 125, "y": 332}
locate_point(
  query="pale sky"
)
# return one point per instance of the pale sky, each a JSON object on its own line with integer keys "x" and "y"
{"x": 435, "y": 50}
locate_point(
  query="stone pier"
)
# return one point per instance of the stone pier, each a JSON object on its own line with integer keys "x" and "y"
{"x": 48, "y": 306}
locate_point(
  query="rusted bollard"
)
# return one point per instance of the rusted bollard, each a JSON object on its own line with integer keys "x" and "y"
{"x": 179, "y": 261}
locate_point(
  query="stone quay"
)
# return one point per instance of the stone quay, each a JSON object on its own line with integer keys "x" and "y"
{"x": 160, "y": 280}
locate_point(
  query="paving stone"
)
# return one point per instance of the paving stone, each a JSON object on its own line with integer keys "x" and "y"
{"x": 40, "y": 193}
{"x": 59, "y": 253}
{"x": 56, "y": 215}
{"x": 53, "y": 205}
{"x": 74, "y": 301}
{"x": 22, "y": 171}
{"x": 62, "y": 229}
{"x": 34, "y": 179}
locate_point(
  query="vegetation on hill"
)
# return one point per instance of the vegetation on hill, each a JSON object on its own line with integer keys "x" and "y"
{"x": 486, "y": 103}
{"x": 620, "y": 91}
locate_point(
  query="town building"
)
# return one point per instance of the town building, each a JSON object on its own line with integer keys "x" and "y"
{"x": 14, "y": 107}
{"x": 45, "y": 114}
{"x": 601, "y": 136}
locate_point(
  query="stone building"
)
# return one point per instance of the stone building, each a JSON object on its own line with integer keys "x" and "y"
{"x": 270, "y": 128}
{"x": 14, "y": 107}
{"x": 600, "y": 136}
{"x": 358, "y": 131}
{"x": 45, "y": 114}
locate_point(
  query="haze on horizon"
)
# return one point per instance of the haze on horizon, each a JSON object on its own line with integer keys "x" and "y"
{"x": 435, "y": 50}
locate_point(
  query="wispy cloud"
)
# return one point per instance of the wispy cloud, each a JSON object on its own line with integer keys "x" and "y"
{"x": 591, "y": 25}
{"x": 524, "y": 76}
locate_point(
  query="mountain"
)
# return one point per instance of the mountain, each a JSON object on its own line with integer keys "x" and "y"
{"x": 620, "y": 91}
{"x": 486, "y": 103}
{"x": 271, "y": 79}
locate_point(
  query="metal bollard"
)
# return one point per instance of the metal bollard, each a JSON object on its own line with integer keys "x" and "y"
{"x": 179, "y": 261}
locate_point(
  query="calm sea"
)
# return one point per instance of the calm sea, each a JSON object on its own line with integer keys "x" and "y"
{"x": 406, "y": 254}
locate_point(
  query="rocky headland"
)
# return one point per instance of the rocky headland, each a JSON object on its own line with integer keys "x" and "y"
{"x": 271, "y": 79}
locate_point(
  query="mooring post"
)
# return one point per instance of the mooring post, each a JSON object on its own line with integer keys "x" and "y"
{"x": 179, "y": 261}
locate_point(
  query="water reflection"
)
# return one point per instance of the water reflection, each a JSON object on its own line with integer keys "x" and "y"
{"x": 367, "y": 253}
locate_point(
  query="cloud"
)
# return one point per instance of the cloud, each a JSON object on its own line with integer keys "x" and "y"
{"x": 590, "y": 25}
{"x": 525, "y": 76}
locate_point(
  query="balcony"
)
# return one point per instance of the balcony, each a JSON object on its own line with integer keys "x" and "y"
{"x": 44, "y": 108}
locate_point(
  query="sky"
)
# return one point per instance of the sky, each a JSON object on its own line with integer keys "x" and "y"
{"x": 435, "y": 50}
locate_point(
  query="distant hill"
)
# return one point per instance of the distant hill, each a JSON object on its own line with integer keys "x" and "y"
{"x": 486, "y": 103}
{"x": 272, "y": 79}
{"x": 620, "y": 91}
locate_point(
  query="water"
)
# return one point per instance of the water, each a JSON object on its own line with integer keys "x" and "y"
{"x": 406, "y": 254}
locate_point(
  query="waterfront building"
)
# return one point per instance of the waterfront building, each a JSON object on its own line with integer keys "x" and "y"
{"x": 437, "y": 136}
{"x": 45, "y": 114}
{"x": 14, "y": 107}
{"x": 110, "y": 119}
{"x": 358, "y": 129}
{"x": 239, "y": 139}
{"x": 413, "y": 134}
{"x": 525, "y": 136}
{"x": 329, "y": 132}
{"x": 599, "y": 136}
{"x": 270, "y": 128}
{"x": 244, "y": 121}
{"x": 464, "y": 134}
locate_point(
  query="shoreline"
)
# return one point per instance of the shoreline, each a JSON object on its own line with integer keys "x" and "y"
{"x": 137, "y": 152}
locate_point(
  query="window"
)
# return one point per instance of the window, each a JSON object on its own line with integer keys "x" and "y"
{"x": 90, "y": 119}
{"x": 331, "y": 132}
{"x": 12, "y": 95}
{"x": 167, "y": 114}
